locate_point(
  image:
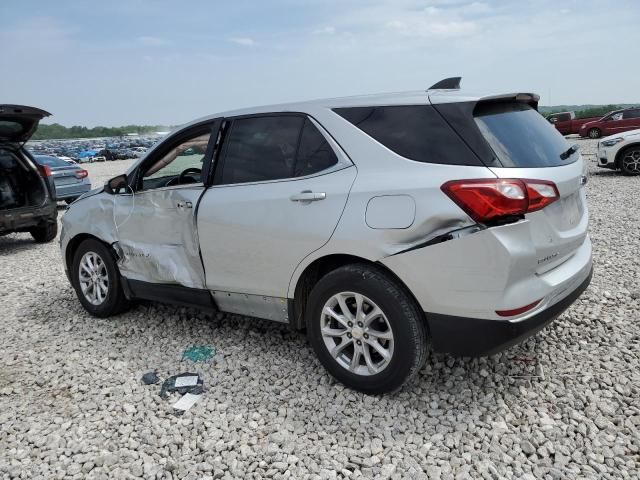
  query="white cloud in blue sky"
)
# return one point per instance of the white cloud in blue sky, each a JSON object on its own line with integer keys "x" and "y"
{"x": 142, "y": 61}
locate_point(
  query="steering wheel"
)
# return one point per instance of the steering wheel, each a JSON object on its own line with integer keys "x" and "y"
{"x": 183, "y": 175}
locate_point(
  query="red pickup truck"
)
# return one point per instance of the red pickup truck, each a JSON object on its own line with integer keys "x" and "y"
{"x": 567, "y": 123}
{"x": 613, "y": 122}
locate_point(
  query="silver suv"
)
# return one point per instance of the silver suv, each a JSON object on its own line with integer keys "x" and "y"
{"x": 377, "y": 223}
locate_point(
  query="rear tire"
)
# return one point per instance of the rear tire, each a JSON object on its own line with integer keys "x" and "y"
{"x": 45, "y": 233}
{"x": 594, "y": 133}
{"x": 96, "y": 280}
{"x": 630, "y": 160}
{"x": 372, "y": 352}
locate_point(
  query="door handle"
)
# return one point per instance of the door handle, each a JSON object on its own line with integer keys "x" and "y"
{"x": 307, "y": 196}
{"x": 182, "y": 204}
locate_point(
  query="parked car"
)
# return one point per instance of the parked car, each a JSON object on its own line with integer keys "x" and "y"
{"x": 621, "y": 152}
{"x": 27, "y": 194}
{"x": 567, "y": 123}
{"x": 70, "y": 180}
{"x": 373, "y": 222}
{"x": 612, "y": 123}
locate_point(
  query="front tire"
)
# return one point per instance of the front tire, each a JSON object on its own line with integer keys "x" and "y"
{"x": 630, "y": 161}
{"x": 366, "y": 329}
{"x": 96, "y": 279}
{"x": 45, "y": 233}
{"x": 594, "y": 133}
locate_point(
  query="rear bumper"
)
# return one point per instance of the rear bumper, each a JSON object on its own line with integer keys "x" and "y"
{"x": 22, "y": 219}
{"x": 476, "y": 337}
{"x": 73, "y": 190}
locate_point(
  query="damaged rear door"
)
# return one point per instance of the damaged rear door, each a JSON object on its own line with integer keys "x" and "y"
{"x": 155, "y": 220}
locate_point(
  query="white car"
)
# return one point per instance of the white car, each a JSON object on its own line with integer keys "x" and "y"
{"x": 377, "y": 223}
{"x": 621, "y": 152}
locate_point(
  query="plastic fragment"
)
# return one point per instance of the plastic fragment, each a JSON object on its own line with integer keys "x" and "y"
{"x": 198, "y": 353}
{"x": 150, "y": 378}
{"x": 169, "y": 385}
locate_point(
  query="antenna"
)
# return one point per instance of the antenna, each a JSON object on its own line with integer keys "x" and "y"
{"x": 451, "y": 83}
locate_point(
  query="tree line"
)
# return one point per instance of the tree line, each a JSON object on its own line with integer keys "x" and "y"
{"x": 55, "y": 131}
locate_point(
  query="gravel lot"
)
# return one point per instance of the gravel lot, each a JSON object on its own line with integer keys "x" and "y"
{"x": 563, "y": 405}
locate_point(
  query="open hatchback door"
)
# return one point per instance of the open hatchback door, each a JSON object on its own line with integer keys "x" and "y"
{"x": 18, "y": 122}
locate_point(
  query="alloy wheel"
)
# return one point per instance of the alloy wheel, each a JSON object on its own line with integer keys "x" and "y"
{"x": 357, "y": 333}
{"x": 594, "y": 133}
{"x": 631, "y": 161}
{"x": 93, "y": 278}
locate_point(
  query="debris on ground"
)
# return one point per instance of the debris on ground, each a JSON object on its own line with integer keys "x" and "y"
{"x": 150, "y": 378}
{"x": 185, "y": 403}
{"x": 198, "y": 353}
{"x": 182, "y": 383}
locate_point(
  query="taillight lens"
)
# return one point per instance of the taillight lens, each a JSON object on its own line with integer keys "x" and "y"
{"x": 80, "y": 174}
{"x": 485, "y": 200}
{"x": 45, "y": 171}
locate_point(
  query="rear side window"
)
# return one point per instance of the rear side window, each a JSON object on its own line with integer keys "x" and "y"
{"x": 520, "y": 137}
{"x": 261, "y": 148}
{"x": 416, "y": 132}
{"x": 631, "y": 114}
{"x": 314, "y": 154}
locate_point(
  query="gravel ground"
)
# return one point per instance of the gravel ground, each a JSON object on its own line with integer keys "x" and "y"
{"x": 562, "y": 405}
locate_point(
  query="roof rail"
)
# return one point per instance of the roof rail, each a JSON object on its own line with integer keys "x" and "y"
{"x": 451, "y": 83}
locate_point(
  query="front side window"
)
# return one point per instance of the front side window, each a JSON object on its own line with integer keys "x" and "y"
{"x": 182, "y": 164}
{"x": 261, "y": 149}
{"x": 631, "y": 114}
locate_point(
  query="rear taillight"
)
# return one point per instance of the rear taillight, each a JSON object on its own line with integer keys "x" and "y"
{"x": 80, "y": 174}
{"x": 44, "y": 170}
{"x": 486, "y": 200}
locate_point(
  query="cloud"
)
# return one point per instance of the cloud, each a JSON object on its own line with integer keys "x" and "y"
{"x": 153, "y": 41}
{"x": 244, "y": 41}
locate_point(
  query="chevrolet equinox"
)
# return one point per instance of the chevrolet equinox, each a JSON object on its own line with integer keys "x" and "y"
{"x": 377, "y": 223}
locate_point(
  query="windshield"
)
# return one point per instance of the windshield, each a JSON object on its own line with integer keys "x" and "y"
{"x": 520, "y": 137}
{"x": 51, "y": 161}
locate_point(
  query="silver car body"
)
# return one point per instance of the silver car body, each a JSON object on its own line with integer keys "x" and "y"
{"x": 249, "y": 244}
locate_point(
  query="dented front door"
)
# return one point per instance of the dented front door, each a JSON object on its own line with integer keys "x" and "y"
{"x": 157, "y": 237}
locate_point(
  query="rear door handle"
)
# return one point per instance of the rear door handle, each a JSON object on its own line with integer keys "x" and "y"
{"x": 308, "y": 196}
{"x": 182, "y": 204}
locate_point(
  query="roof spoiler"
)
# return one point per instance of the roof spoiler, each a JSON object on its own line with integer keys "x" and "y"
{"x": 451, "y": 83}
{"x": 528, "y": 98}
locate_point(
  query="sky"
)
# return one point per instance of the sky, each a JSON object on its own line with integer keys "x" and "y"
{"x": 121, "y": 62}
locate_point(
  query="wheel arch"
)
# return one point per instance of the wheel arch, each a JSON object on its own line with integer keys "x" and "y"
{"x": 317, "y": 269}
{"x": 621, "y": 152}
{"x": 74, "y": 243}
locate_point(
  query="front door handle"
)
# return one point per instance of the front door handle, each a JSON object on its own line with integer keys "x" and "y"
{"x": 182, "y": 204}
{"x": 308, "y": 196}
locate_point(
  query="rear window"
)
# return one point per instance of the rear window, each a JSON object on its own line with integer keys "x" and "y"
{"x": 416, "y": 132}
{"x": 520, "y": 137}
{"x": 51, "y": 161}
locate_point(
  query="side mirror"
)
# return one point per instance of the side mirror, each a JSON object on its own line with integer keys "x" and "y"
{"x": 116, "y": 185}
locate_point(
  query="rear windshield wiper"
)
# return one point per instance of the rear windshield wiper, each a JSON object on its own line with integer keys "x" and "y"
{"x": 570, "y": 151}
